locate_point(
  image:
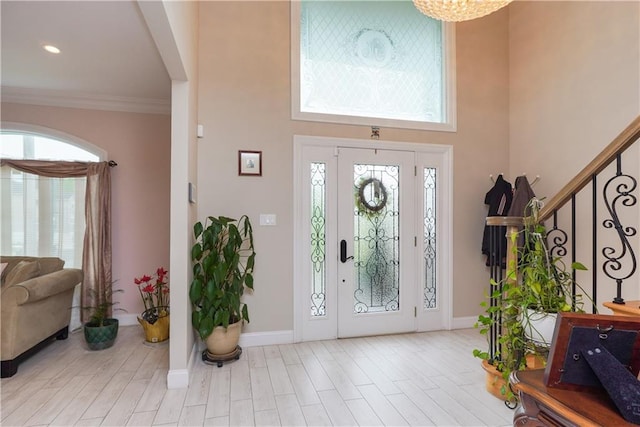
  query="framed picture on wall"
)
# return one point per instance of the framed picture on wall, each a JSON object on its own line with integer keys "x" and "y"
{"x": 250, "y": 163}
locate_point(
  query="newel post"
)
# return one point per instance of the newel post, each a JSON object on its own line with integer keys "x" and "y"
{"x": 502, "y": 227}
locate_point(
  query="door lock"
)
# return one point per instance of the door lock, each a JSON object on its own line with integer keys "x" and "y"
{"x": 343, "y": 252}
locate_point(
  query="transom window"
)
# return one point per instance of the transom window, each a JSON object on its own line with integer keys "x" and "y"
{"x": 380, "y": 63}
{"x": 29, "y": 146}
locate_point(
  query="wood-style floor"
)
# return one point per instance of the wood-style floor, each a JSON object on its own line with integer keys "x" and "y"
{"x": 413, "y": 379}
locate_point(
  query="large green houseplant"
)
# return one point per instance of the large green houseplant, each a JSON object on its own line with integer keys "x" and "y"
{"x": 537, "y": 285}
{"x": 223, "y": 259}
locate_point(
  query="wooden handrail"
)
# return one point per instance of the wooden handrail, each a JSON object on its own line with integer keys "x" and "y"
{"x": 601, "y": 161}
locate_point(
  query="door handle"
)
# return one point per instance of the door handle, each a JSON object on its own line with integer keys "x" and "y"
{"x": 343, "y": 252}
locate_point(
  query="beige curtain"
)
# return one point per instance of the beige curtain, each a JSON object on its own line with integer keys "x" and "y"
{"x": 96, "y": 252}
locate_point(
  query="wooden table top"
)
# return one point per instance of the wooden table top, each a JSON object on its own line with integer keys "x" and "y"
{"x": 581, "y": 408}
{"x": 629, "y": 308}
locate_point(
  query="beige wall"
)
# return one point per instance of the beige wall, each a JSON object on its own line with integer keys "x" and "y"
{"x": 140, "y": 182}
{"x": 244, "y": 103}
{"x": 574, "y": 84}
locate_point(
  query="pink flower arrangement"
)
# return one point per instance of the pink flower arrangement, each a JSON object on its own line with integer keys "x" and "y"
{"x": 154, "y": 290}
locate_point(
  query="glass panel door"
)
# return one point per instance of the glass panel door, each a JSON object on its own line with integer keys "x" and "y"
{"x": 376, "y": 271}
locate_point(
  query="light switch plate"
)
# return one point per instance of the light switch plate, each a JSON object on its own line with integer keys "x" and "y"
{"x": 268, "y": 219}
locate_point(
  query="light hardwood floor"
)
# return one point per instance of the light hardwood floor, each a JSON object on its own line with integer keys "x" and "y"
{"x": 413, "y": 379}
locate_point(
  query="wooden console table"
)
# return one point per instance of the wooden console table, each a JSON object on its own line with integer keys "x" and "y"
{"x": 629, "y": 308}
{"x": 543, "y": 406}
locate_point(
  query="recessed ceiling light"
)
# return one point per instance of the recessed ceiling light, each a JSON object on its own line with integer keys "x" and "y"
{"x": 51, "y": 48}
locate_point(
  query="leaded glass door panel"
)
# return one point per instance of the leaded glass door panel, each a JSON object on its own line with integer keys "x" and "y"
{"x": 376, "y": 265}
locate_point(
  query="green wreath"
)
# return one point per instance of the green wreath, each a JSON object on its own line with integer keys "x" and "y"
{"x": 365, "y": 205}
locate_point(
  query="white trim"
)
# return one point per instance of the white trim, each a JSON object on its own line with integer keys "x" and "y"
{"x": 127, "y": 319}
{"x": 250, "y": 339}
{"x": 367, "y": 143}
{"x": 253, "y": 339}
{"x": 449, "y": 79}
{"x": 85, "y": 100}
{"x": 446, "y": 151}
{"x": 54, "y": 134}
{"x": 463, "y": 322}
{"x": 178, "y": 378}
{"x": 449, "y": 32}
{"x": 297, "y": 242}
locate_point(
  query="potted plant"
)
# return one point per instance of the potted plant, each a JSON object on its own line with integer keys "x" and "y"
{"x": 223, "y": 260}
{"x": 527, "y": 300}
{"x": 154, "y": 291}
{"x": 101, "y": 330}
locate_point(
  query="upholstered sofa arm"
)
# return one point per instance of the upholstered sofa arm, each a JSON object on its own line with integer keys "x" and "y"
{"x": 42, "y": 287}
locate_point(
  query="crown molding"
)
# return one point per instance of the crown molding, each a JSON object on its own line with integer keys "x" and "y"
{"x": 84, "y": 100}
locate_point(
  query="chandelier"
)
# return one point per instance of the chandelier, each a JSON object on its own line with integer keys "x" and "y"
{"x": 458, "y": 10}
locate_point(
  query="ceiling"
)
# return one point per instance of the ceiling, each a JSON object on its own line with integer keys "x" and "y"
{"x": 107, "y": 55}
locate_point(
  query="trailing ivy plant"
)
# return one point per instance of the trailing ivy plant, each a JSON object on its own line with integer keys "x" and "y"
{"x": 538, "y": 281}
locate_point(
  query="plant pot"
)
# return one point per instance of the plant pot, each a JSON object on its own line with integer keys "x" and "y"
{"x": 101, "y": 337}
{"x": 157, "y": 331}
{"x": 494, "y": 383}
{"x": 539, "y": 327}
{"x": 224, "y": 341}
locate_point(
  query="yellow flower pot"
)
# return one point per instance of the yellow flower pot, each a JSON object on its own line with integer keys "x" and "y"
{"x": 157, "y": 331}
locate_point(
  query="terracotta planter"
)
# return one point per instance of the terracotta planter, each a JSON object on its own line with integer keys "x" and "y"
{"x": 494, "y": 383}
{"x": 157, "y": 331}
{"x": 224, "y": 341}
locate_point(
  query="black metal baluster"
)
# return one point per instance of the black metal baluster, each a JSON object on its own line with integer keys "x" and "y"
{"x": 573, "y": 250}
{"x": 621, "y": 187}
{"x": 594, "y": 247}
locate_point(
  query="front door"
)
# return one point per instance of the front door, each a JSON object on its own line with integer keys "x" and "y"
{"x": 372, "y": 237}
{"x": 376, "y": 228}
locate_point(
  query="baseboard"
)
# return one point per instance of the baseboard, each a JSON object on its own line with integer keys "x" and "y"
{"x": 464, "y": 322}
{"x": 252, "y": 339}
{"x": 196, "y": 354}
{"x": 127, "y": 319}
{"x": 178, "y": 378}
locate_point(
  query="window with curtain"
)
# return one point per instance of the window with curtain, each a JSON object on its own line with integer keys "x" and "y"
{"x": 42, "y": 216}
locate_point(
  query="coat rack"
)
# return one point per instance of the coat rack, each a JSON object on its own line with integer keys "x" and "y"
{"x": 537, "y": 178}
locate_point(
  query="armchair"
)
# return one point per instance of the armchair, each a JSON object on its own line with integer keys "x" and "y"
{"x": 36, "y": 295}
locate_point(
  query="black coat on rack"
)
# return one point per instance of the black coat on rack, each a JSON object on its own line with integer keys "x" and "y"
{"x": 499, "y": 199}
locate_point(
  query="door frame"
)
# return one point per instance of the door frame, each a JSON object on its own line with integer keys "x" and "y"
{"x": 445, "y": 228}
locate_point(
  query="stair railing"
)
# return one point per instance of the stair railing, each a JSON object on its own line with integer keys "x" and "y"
{"x": 619, "y": 192}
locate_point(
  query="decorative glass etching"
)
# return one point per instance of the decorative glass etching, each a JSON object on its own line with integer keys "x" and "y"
{"x": 430, "y": 248}
{"x": 371, "y": 59}
{"x": 376, "y": 238}
{"x": 318, "y": 239}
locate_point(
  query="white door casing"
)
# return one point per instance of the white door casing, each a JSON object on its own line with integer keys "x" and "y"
{"x": 317, "y": 283}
